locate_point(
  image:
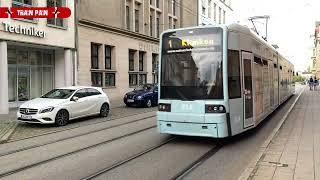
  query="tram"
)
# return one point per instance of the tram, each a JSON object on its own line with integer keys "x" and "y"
{"x": 219, "y": 81}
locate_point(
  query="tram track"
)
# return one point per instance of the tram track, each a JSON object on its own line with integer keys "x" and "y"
{"x": 182, "y": 174}
{"x": 178, "y": 176}
{"x": 74, "y": 136}
{"x": 75, "y": 127}
{"x": 13, "y": 171}
{"x": 120, "y": 163}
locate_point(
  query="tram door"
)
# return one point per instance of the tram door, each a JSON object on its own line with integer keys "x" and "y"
{"x": 247, "y": 59}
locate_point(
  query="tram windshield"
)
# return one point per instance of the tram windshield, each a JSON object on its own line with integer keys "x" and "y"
{"x": 191, "y": 64}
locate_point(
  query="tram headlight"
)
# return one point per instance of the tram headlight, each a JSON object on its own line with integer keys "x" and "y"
{"x": 164, "y": 107}
{"x": 215, "y": 109}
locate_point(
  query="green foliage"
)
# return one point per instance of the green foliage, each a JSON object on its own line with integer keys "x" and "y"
{"x": 298, "y": 79}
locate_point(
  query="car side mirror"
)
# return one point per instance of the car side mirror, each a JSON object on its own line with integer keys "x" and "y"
{"x": 74, "y": 98}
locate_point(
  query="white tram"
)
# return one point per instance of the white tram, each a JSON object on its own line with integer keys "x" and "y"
{"x": 219, "y": 81}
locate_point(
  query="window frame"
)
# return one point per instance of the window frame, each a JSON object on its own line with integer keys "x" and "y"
{"x": 131, "y": 54}
{"x": 63, "y": 21}
{"x": 101, "y": 78}
{"x": 95, "y": 56}
{"x": 136, "y": 20}
{"x": 128, "y": 17}
{"x": 108, "y": 57}
{"x": 136, "y": 79}
{"x": 105, "y": 79}
{"x": 141, "y": 60}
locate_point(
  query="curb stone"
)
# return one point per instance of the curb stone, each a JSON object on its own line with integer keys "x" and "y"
{"x": 7, "y": 131}
{"x": 251, "y": 168}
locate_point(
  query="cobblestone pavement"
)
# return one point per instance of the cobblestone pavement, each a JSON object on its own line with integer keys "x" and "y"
{"x": 294, "y": 153}
{"x": 24, "y": 130}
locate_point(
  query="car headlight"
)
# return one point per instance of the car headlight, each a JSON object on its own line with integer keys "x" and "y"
{"x": 139, "y": 97}
{"x": 49, "y": 109}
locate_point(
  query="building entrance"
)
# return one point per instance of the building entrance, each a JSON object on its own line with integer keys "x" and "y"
{"x": 30, "y": 73}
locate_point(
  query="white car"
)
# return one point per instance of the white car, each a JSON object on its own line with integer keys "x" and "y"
{"x": 63, "y": 104}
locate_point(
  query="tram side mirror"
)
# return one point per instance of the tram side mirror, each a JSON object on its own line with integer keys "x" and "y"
{"x": 74, "y": 98}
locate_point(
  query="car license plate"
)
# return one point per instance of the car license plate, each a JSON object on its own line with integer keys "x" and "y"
{"x": 130, "y": 100}
{"x": 26, "y": 117}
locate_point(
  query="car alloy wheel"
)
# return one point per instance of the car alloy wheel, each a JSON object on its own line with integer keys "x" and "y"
{"x": 62, "y": 118}
{"x": 104, "y": 110}
{"x": 149, "y": 103}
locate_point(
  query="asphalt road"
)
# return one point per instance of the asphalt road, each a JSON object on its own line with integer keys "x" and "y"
{"x": 130, "y": 148}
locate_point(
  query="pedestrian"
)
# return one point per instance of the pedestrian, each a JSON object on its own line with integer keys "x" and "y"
{"x": 315, "y": 83}
{"x": 311, "y": 83}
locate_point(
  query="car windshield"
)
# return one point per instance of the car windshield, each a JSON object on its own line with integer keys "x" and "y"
{"x": 143, "y": 87}
{"x": 59, "y": 94}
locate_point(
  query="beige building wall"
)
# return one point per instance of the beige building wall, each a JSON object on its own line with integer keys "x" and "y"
{"x": 105, "y": 23}
{"x": 120, "y": 55}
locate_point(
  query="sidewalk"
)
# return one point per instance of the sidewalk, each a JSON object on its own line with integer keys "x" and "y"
{"x": 294, "y": 152}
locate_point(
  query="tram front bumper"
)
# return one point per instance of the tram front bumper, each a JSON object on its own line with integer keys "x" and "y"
{"x": 188, "y": 129}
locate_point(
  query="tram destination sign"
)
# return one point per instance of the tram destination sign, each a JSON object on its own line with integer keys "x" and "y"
{"x": 29, "y": 31}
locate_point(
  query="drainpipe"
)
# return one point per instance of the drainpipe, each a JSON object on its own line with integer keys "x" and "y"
{"x": 76, "y": 36}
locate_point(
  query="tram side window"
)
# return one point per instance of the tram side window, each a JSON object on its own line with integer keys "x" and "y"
{"x": 234, "y": 83}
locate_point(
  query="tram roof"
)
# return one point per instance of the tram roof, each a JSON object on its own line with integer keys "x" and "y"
{"x": 248, "y": 31}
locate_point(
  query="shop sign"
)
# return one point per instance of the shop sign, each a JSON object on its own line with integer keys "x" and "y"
{"x": 148, "y": 47}
{"x": 35, "y": 12}
{"x": 29, "y": 31}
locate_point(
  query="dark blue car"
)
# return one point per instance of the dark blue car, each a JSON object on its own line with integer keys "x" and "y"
{"x": 144, "y": 95}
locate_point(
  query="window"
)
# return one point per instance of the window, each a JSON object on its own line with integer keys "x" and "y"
{"x": 215, "y": 12}
{"x": 142, "y": 79}
{"x": 158, "y": 26}
{"x": 169, "y": 6}
{"x": 203, "y": 11}
{"x": 155, "y": 63}
{"x": 81, "y": 93}
{"x": 94, "y": 56}
{"x": 133, "y": 79}
{"x": 174, "y": 7}
{"x": 209, "y": 8}
{"x": 151, "y": 2}
{"x": 92, "y": 92}
{"x": 55, "y": 21}
{"x": 96, "y": 79}
{"x": 170, "y": 23}
{"x": 174, "y": 24}
{"x": 110, "y": 79}
{"x": 141, "y": 56}
{"x": 224, "y": 17}
{"x": 157, "y": 3}
{"x": 128, "y": 17}
{"x": 22, "y": 3}
{"x": 234, "y": 80}
{"x": 151, "y": 25}
{"x": 131, "y": 60}
{"x": 108, "y": 57}
{"x": 219, "y": 15}
{"x": 136, "y": 20}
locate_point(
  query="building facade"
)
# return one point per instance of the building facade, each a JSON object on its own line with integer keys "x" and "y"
{"x": 36, "y": 55}
{"x": 214, "y": 12}
{"x": 316, "y": 51}
{"x": 118, "y": 40}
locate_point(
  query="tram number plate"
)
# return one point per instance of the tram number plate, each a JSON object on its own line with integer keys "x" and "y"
{"x": 130, "y": 100}
{"x": 26, "y": 117}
